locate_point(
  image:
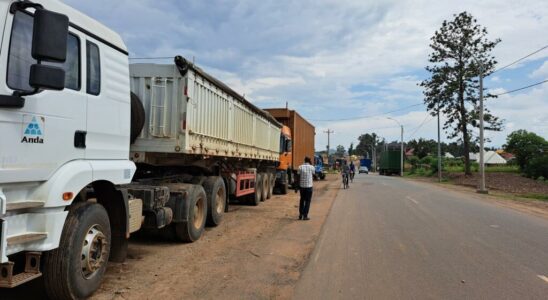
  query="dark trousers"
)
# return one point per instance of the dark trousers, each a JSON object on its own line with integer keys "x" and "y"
{"x": 304, "y": 205}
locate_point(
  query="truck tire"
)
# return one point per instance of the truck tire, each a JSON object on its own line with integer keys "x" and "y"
{"x": 191, "y": 230}
{"x": 256, "y": 197}
{"x": 266, "y": 186}
{"x": 285, "y": 184}
{"x": 75, "y": 270}
{"x": 322, "y": 176}
{"x": 215, "y": 190}
{"x": 137, "y": 117}
{"x": 271, "y": 182}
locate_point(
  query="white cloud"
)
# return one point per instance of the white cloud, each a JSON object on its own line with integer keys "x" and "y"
{"x": 333, "y": 59}
{"x": 542, "y": 71}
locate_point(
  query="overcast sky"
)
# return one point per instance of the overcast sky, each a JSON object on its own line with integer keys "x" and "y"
{"x": 339, "y": 59}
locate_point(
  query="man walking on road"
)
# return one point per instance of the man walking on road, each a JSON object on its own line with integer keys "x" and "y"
{"x": 306, "y": 171}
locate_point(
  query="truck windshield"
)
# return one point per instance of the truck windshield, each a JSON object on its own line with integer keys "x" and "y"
{"x": 20, "y": 58}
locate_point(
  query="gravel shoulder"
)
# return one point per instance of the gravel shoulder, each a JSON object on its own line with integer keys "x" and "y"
{"x": 257, "y": 252}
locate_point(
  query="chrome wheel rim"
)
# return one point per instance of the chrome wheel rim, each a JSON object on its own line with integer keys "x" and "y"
{"x": 94, "y": 251}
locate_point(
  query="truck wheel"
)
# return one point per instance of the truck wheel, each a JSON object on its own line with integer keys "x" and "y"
{"x": 75, "y": 269}
{"x": 266, "y": 186}
{"x": 215, "y": 191}
{"x": 271, "y": 180}
{"x": 322, "y": 176}
{"x": 137, "y": 117}
{"x": 256, "y": 197}
{"x": 192, "y": 229}
{"x": 285, "y": 185}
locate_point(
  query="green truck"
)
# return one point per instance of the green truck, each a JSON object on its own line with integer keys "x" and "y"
{"x": 390, "y": 162}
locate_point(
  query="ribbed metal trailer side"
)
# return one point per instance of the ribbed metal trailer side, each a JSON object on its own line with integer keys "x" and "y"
{"x": 192, "y": 113}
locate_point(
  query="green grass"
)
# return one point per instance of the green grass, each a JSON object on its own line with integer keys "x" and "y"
{"x": 475, "y": 168}
{"x": 541, "y": 197}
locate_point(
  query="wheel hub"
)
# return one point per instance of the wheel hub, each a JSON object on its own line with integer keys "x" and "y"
{"x": 219, "y": 203}
{"x": 94, "y": 251}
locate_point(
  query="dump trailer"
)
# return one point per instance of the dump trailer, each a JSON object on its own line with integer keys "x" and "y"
{"x": 94, "y": 149}
{"x": 390, "y": 162}
{"x": 302, "y": 134}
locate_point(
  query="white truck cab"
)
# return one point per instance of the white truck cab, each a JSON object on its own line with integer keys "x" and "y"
{"x": 64, "y": 138}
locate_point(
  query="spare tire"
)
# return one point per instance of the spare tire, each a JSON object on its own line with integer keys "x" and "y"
{"x": 137, "y": 117}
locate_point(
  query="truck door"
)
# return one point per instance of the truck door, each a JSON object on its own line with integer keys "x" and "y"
{"x": 38, "y": 138}
{"x": 108, "y": 113}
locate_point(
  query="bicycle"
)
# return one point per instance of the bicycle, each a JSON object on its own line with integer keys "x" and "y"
{"x": 351, "y": 176}
{"x": 345, "y": 180}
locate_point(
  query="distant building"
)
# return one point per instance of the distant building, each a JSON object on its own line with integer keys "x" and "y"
{"x": 448, "y": 155}
{"x": 489, "y": 157}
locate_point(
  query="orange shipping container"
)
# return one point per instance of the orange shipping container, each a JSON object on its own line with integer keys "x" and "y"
{"x": 302, "y": 133}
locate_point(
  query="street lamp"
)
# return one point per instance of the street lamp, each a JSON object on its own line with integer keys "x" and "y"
{"x": 401, "y": 165}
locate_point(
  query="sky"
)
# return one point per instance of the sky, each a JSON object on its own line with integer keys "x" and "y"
{"x": 333, "y": 60}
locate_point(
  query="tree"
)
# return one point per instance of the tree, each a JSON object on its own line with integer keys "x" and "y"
{"x": 460, "y": 47}
{"x": 351, "y": 149}
{"x": 366, "y": 144}
{"x": 340, "y": 151}
{"x": 525, "y": 146}
{"x": 423, "y": 147}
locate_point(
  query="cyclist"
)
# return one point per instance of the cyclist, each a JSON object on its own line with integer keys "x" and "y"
{"x": 345, "y": 171}
{"x": 352, "y": 171}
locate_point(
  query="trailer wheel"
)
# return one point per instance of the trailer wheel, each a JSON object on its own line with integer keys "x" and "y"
{"x": 215, "y": 191}
{"x": 75, "y": 270}
{"x": 266, "y": 186}
{"x": 256, "y": 197}
{"x": 271, "y": 182}
{"x": 137, "y": 117}
{"x": 285, "y": 185}
{"x": 192, "y": 229}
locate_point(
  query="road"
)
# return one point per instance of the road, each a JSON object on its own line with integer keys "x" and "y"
{"x": 390, "y": 238}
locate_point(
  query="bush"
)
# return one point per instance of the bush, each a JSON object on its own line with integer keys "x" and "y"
{"x": 434, "y": 165}
{"x": 426, "y": 160}
{"x": 413, "y": 160}
{"x": 537, "y": 167}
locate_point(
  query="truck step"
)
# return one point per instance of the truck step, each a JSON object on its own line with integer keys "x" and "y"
{"x": 18, "y": 279}
{"x": 24, "y": 205}
{"x": 32, "y": 271}
{"x": 26, "y": 237}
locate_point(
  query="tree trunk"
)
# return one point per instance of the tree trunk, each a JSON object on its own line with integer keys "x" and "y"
{"x": 464, "y": 129}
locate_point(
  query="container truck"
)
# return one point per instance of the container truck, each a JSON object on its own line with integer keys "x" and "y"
{"x": 390, "y": 162}
{"x": 299, "y": 137}
{"x": 366, "y": 162}
{"x": 93, "y": 149}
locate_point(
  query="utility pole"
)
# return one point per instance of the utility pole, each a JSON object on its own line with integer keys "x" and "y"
{"x": 482, "y": 188}
{"x": 329, "y": 132}
{"x": 439, "y": 145}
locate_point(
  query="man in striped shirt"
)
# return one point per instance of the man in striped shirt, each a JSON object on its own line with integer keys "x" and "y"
{"x": 306, "y": 172}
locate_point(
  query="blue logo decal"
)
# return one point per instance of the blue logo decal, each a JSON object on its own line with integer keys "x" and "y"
{"x": 33, "y": 128}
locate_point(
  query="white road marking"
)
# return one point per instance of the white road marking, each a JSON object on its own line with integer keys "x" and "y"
{"x": 543, "y": 278}
{"x": 414, "y": 201}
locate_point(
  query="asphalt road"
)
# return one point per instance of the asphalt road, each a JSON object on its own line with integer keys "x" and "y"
{"x": 388, "y": 238}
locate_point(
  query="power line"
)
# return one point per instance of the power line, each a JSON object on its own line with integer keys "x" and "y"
{"x": 522, "y": 88}
{"x": 515, "y": 62}
{"x": 365, "y": 117}
{"x": 420, "y": 125}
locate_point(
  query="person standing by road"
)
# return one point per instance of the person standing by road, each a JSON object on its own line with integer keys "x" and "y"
{"x": 306, "y": 172}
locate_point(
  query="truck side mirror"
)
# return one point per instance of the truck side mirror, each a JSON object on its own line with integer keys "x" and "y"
{"x": 47, "y": 77}
{"x": 49, "y": 43}
{"x": 49, "y": 37}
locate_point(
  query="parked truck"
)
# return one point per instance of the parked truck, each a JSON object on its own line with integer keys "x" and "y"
{"x": 390, "y": 162}
{"x": 93, "y": 149}
{"x": 366, "y": 162}
{"x": 299, "y": 137}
